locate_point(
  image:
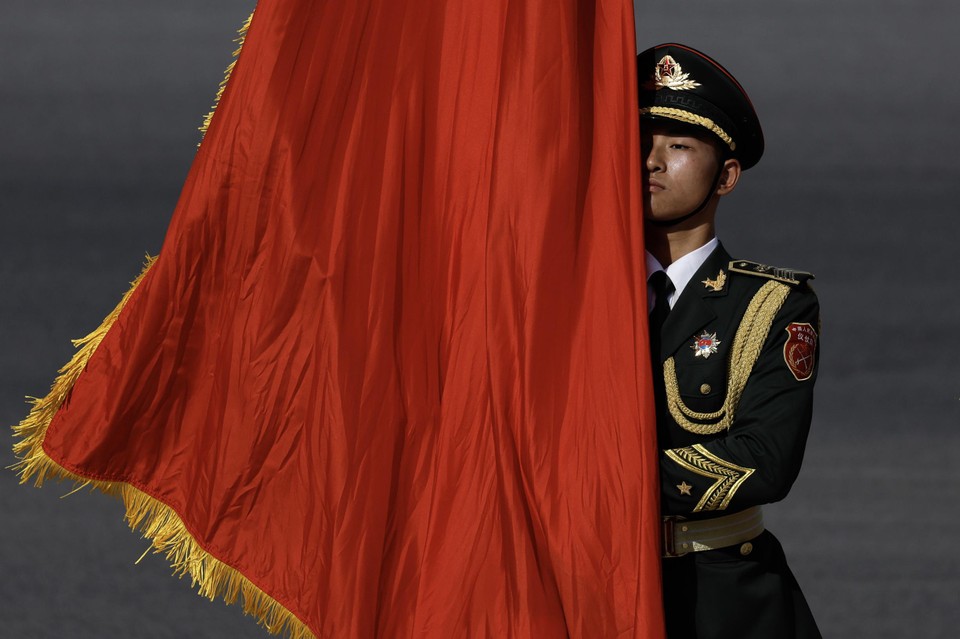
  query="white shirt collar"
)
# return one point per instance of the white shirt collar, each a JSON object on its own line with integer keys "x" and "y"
{"x": 681, "y": 271}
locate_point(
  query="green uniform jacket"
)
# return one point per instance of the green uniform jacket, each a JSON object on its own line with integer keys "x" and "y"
{"x": 753, "y": 458}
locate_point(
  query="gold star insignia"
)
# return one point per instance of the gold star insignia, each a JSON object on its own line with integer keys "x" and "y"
{"x": 669, "y": 75}
{"x": 684, "y": 488}
{"x": 716, "y": 285}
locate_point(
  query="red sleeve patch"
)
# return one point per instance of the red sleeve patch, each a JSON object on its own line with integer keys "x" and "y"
{"x": 800, "y": 350}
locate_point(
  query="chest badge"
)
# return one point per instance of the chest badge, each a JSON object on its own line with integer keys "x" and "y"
{"x": 705, "y": 345}
{"x": 716, "y": 285}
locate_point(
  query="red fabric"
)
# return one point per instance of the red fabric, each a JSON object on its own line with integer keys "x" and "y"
{"x": 391, "y": 363}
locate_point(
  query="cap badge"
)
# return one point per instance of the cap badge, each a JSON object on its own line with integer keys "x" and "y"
{"x": 669, "y": 75}
{"x": 705, "y": 345}
{"x": 716, "y": 285}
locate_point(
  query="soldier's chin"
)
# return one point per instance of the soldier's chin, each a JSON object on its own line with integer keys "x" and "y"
{"x": 650, "y": 216}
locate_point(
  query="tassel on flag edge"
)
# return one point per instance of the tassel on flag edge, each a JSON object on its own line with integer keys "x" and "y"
{"x": 242, "y": 37}
{"x": 155, "y": 520}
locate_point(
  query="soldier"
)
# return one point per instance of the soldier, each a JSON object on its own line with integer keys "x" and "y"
{"x": 734, "y": 346}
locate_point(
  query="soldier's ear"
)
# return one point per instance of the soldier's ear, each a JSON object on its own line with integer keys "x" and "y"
{"x": 729, "y": 176}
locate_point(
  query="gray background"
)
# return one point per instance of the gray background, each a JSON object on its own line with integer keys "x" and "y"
{"x": 99, "y": 104}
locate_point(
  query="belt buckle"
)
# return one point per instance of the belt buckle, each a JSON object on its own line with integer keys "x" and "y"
{"x": 669, "y": 537}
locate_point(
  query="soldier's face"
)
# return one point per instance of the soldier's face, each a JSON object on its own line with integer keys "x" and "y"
{"x": 679, "y": 169}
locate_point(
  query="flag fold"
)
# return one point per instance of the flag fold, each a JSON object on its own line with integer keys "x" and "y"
{"x": 388, "y": 376}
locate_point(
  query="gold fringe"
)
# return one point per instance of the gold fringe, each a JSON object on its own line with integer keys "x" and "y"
{"x": 212, "y": 578}
{"x": 242, "y": 37}
{"x": 33, "y": 461}
{"x": 154, "y": 519}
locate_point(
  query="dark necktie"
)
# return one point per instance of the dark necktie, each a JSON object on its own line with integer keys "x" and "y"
{"x": 662, "y": 287}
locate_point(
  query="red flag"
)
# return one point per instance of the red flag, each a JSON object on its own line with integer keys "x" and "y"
{"x": 388, "y": 376}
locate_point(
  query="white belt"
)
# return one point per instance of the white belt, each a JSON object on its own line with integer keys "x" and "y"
{"x": 682, "y": 536}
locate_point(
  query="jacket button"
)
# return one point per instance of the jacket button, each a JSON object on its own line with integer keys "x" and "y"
{"x": 705, "y": 389}
{"x": 746, "y": 549}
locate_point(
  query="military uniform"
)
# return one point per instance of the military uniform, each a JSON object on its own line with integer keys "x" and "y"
{"x": 734, "y": 368}
{"x": 730, "y": 444}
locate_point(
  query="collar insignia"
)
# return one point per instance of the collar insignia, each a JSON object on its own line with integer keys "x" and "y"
{"x": 716, "y": 285}
{"x": 705, "y": 345}
{"x": 668, "y": 74}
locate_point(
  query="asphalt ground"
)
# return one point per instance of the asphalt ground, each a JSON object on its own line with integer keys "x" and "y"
{"x": 99, "y": 104}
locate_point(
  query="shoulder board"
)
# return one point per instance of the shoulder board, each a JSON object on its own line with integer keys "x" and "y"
{"x": 789, "y": 276}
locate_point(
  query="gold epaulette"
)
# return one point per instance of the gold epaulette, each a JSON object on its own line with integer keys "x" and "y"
{"x": 785, "y": 275}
